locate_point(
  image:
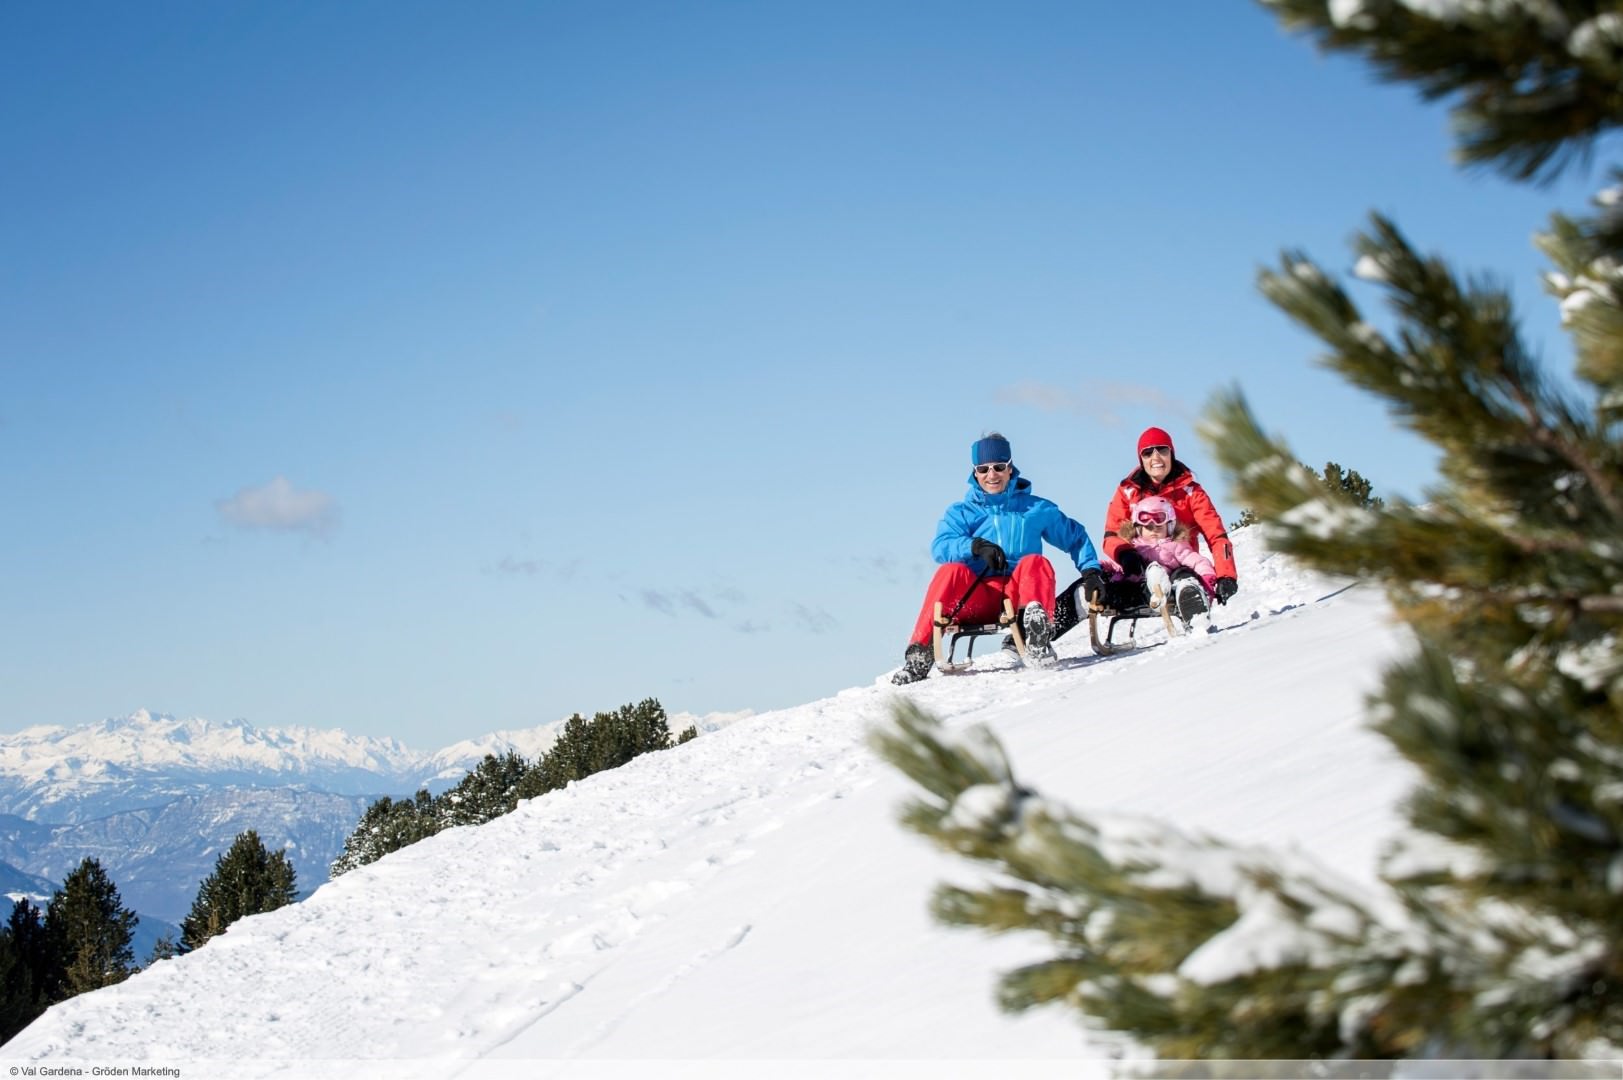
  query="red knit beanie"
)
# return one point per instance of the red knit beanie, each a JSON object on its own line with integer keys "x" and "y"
{"x": 1156, "y": 437}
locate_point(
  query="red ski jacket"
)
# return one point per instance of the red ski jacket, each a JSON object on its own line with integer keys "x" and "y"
{"x": 1188, "y": 498}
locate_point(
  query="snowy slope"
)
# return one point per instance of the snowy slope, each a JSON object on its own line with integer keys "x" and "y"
{"x": 157, "y": 799}
{"x": 748, "y": 895}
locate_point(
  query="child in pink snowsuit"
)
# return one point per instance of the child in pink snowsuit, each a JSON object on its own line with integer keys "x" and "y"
{"x": 1152, "y": 527}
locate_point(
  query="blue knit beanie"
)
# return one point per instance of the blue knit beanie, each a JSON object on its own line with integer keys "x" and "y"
{"x": 990, "y": 449}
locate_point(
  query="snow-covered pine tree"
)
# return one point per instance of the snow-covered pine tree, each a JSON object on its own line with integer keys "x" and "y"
{"x": 247, "y": 880}
{"x": 1502, "y": 935}
{"x": 89, "y": 927}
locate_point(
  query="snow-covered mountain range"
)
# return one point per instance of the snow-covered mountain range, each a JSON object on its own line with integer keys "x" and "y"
{"x": 157, "y": 799}
{"x": 59, "y": 774}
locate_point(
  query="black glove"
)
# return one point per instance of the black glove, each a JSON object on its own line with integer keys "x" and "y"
{"x": 990, "y": 554}
{"x": 1130, "y": 561}
{"x": 1225, "y": 588}
{"x": 1093, "y": 587}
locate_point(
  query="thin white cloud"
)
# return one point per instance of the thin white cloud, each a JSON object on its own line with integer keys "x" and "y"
{"x": 280, "y": 507}
{"x": 1099, "y": 401}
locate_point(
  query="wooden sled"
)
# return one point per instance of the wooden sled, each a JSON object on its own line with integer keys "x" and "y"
{"x": 946, "y": 634}
{"x": 1106, "y": 646}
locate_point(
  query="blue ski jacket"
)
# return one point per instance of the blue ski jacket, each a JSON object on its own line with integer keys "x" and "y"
{"x": 1015, "y": 520}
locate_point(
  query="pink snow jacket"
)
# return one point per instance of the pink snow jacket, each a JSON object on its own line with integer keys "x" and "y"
{"x": 1171, "y": 553}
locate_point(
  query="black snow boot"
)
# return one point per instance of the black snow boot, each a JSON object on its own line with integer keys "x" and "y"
{"x": 916, "y": 664}
{"x": 1189, "y": 600}
{"x": 1039, "y": 632}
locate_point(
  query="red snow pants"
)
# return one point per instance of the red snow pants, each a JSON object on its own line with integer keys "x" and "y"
{"x": 1033, "y": 579}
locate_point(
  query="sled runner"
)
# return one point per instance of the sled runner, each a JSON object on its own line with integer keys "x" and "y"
{"x": 1157, "y": 608}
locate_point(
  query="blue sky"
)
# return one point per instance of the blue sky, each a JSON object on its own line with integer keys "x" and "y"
{"x": 427, "y": 369}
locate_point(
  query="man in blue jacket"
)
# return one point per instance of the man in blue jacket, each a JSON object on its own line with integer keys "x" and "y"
{"x": 999, "y": 527}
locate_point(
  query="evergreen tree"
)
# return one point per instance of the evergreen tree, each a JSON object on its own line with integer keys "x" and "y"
{"x": 90, "y": 929}
{"x": 635, "y": 730}
{"x": 1336, "y": 481}
{"x": 496, "y": 785}
{"x": 1501, "y": 935}
{"x": 165, "y": 948}
{"x": 486, "y": 793}
{"x": 17, "y": 995}
{"x": 387, "y": 825}
{"x": 30, "y": 970}
{"x": 569, "y": 758}
{"x": 539, "y": 778}
{"x": 1351, "y": 484}
{"x": 606, "y": 741}
{"x": 25, "y": 929}
{"x": 246, "y": 880}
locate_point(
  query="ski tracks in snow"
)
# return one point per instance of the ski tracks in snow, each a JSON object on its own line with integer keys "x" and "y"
{"x": 677, "y": 826}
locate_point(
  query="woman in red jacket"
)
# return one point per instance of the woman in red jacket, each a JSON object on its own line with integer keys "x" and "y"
{"x": 1159, "y": 472}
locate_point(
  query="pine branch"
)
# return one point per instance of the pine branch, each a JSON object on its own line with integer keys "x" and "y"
{"x": 1515, "y": 450}
{"x": 1588, "y": 255}
{"x": 1141, "y": 917}
{"x": 1536, "y": 81}
{"x": 1573, "y": 450}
